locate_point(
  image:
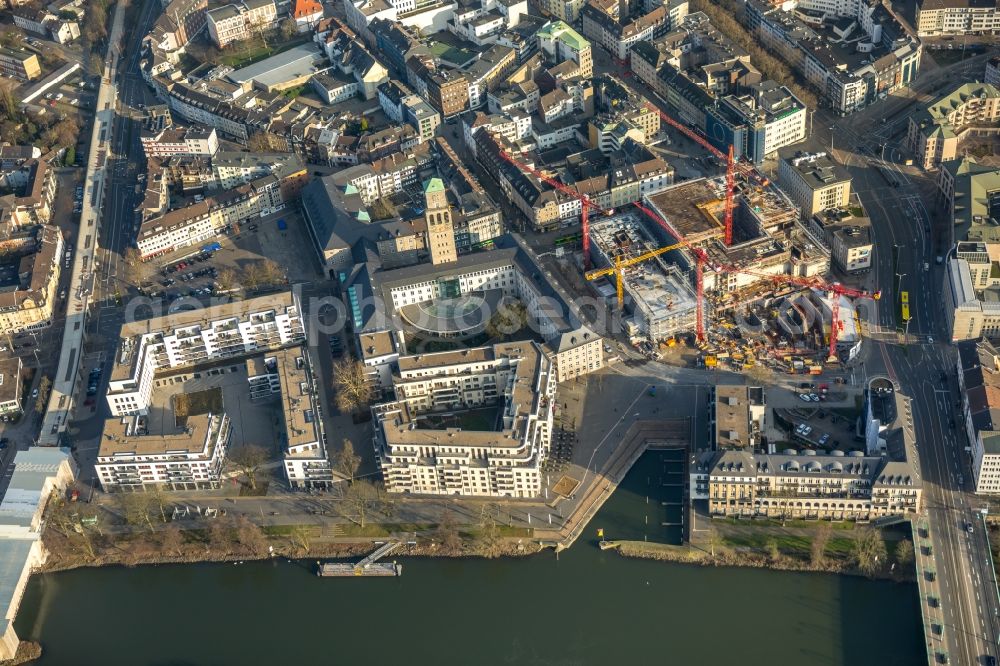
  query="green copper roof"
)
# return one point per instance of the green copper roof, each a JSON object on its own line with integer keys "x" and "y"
{"x": 433, "y": 185}
{"x": 559, "y": 30}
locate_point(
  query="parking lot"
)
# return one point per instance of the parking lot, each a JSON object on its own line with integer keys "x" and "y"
{"x": 196, "y": 271}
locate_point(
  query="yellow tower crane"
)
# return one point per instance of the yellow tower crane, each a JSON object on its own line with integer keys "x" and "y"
{"x": 620, "y": 265}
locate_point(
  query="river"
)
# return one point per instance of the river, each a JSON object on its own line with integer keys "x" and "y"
{"x": 586, "y": 607}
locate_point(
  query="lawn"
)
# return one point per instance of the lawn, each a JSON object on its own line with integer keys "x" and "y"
{"x": 450, "y": 53}
{"x": 193, "y": 404}
{"x": 253, "y": 50}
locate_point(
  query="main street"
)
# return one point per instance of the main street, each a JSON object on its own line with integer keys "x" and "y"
{"x": 908, "y": 238}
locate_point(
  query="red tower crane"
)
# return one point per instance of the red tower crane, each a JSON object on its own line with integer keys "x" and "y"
{"x": 586, "y": 202}
{"x": 701, "y": 257}
{"x": 732, "y": 166}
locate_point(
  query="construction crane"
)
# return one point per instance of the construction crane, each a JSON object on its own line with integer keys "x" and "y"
{"x": 839, "y": 290}
{"x": 732, "y": 167}
{"x": 586, "y": 203}
{"x": 619, "y": 265}
{"x": 701, "y": 259}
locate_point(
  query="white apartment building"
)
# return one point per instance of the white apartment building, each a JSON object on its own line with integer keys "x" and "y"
{"x": 505, "y": 461}
{"x": 188, "y": 338}
{"x": 956, "y": 17}
{"x": 289, "y": 373}
{"x": 233, "y": 168}
{"x": 190, "y": 142}
{"x": 191, "y": 459}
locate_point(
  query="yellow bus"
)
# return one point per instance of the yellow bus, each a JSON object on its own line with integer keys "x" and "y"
{"x": 904, "y": 306}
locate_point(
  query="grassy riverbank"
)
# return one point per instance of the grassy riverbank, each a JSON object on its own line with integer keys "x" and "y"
{"x": 228, "y": 540}
{"x": 788, "y": 553}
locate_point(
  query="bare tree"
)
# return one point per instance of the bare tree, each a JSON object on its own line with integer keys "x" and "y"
{"x": 171, "y": 539}
{"x": 773, "y": 551}
{"x": 158, "y": 497}
{"x": 271, "y": 272}
{"x": 508, "y": 319}
{"x": 220, "y": 534}
{"x": 714, "y": 540}
{"x": 350, "y": 381}
{"x": 488, "y": 538}
{"x": 347, "y": 461}
{"x": 251, "y": 275}
{"x": 42, "y": 400}
{"x": 817, "y": 553}
{"x": 301, "y": 538}
{"x": 96, "y": 64}
{"x": 249, "y": 460}
{"x": 868, "y": 550}
{"x": 8, "y": 105}
{"x": 288, "y": 29}
{"x": 904, "y": 553}
{"x": 226, "y": 279}
{"x": 360, "y": 500}
{"x": 135, "y": 508}
{"x": 447, "y": 534}
{"x": 250, "y": 536}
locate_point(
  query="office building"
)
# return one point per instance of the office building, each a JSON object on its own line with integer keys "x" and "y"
{"x": 814, "y": 181}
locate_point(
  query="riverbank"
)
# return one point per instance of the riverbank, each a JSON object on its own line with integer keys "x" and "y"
{"x": 723, "y": 557}
{"x": 234, "y": 542}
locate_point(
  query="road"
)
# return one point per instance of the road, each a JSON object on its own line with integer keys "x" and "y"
{"x": 908, "y": 237}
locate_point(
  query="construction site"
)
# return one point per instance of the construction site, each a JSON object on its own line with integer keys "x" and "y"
{"x": 725, "y": 258}
{"x": 657, "y": 292}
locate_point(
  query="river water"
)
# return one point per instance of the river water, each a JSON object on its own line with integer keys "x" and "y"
{"x": 586, "y": 607}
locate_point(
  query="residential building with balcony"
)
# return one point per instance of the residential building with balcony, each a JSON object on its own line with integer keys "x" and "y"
{"x": 806, "y": 485}
{"x": 186, "y": 142}
{"x": 189, "y": 338}
{"x": 130, "y": 458}
{"x": 421, "y": 446}
{"x": 959, "y": 18}
{"x": 937, "y": 130}
{"x": 289, "y": 373}
{"x": 855, "y": 53}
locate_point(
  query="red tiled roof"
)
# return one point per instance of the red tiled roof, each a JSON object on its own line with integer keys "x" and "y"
{"x": 304, "y": 8}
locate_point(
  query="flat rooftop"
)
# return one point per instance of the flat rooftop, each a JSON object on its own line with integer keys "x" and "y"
{"x": 128, "y": 435}
{"x": 654, "y": 284}
{"x": 297, "y": 62}
{"x": 694, "y": 209}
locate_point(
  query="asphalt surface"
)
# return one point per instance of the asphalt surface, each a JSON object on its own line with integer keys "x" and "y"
{"x": 910, "y": 233}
